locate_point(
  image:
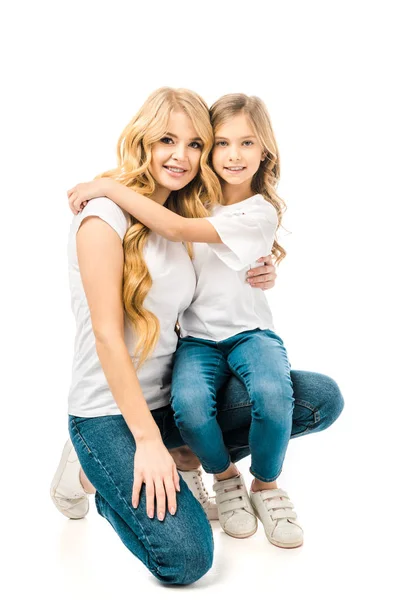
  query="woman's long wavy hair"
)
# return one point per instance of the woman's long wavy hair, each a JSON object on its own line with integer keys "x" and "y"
{"x": 266, "y": 179}
{"x": 134, "y": 153}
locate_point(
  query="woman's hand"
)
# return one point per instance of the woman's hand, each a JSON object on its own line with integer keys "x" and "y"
{"x": 154, "y": 466}
{"x": 263, "y": 277}
{"x": 80, "y": 194}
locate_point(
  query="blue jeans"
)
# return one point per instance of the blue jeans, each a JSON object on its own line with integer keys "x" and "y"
{"x": 201, "y": 367}
{"x": 180, "y": 549}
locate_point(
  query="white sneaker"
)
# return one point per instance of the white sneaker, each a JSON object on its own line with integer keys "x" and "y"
{"x": 274, "y": 510}
{"x": 235, "y": 511}
{"x": 66, "y": 489}
{"x": 195, "y": 483}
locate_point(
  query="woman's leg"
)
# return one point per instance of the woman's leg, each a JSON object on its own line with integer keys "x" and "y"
{"x": 200, "y": 369}
{"x": 318, "y": 402}
{"x": 178, "y": 550}
{"x": 260, "y": 360}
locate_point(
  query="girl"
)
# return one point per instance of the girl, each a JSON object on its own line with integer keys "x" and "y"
{"x": 228, "y": 327}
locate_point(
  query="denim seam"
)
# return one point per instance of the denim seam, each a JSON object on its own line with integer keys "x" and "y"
{"x": 121, "y": 497}
{"x": 81, "y": 437}
{"x": 315, "y": 412}
{"x": 234, "y": 406}
{"x": 306, "y": 405}
{"x": 215, "y": 371}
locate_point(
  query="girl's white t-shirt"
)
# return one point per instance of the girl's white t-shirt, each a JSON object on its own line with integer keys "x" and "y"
{"x": 170, "y": 294}
{"x": 224, "y": 304}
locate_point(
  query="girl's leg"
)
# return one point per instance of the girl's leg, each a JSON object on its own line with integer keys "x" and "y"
{"x": 318, "y": 402}
{"x": 178, "y": 550}
{"x": 259, "y": 359}
{"x": 199, "y": 371}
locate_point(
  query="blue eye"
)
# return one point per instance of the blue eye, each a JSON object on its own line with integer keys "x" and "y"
{"x": 221, "y": 143}
{"x": 167, "y": 140}
{"x": 248, "y": 143}
{"x": 196, "y": 145}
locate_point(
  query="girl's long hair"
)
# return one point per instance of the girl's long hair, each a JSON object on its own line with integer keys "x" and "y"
{"x": 266, "y": 179}
{"x": 134, "y": 153}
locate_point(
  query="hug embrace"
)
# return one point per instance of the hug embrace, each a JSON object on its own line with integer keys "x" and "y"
{"x": 177, "y": 366}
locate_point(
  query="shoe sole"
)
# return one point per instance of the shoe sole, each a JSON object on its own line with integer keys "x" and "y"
{"x": 56, "y": 480}
{"x": 284, "y": 546}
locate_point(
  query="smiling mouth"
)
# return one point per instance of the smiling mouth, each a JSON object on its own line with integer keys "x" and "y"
{"x": 235, "y": 169}
{"x": 174, "y": 169}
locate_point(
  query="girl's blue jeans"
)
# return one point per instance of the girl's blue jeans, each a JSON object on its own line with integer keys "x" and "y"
{"x": 201, "y": 367}
{"x": 179, "y": 550}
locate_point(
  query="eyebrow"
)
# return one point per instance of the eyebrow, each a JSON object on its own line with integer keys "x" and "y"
{"x": 245, "y": 137}
{"x": 195, "y": 139}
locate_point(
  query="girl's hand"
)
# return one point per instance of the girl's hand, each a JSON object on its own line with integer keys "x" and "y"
{"x": 79, "y": 195}
{"x": 154, "y": 466}
{"x": 263, "y": 277}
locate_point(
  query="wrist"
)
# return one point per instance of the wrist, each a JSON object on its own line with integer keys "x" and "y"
{"x": 108, "y": 185}
{"x": 148, "y": 435}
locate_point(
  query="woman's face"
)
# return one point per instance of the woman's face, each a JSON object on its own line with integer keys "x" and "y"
{"x": 237, "y": 152}
{"x": 175, "y": 158}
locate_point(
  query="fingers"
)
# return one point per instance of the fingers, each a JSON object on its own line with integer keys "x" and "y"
{"x": 137, "y": 486}
{"x": 176, "y": 478}
{"x": 163, "y": 493}
{"x": 150, "y": 498}
{"x": 170, "y": 490}
{"x": 160, "y": 497}
{"x": 267, "y": 273}
{"x": 266, "y": 260}
{"x": 74, "y": 201}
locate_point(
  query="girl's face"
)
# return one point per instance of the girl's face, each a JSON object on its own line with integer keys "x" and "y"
{"x": 175, "y": 159}
{"x": 237, "y": 152}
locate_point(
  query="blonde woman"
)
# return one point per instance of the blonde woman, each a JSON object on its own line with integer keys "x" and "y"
{"x": 129, "y": 286}
{"x": 228, "y": 327}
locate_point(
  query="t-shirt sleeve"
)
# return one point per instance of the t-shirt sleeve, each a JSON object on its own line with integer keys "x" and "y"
{"x": 108, "y": 211}
{"x": 246, "y": 234}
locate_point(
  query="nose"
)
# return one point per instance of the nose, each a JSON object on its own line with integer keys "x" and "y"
{"x": 234, "y": 153}
{"x": 180, "y": 152}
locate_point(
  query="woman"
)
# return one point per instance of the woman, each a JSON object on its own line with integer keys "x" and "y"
{"x": 120, "y": 429}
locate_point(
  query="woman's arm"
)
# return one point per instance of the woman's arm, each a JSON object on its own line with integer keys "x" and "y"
{"x": 101, "y": 260}
{"x": 158, "y": 218}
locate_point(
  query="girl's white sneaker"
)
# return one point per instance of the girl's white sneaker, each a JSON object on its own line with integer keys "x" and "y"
{"x": 276, "y": 513}
{"x": 235, "y": 512}
{"x": 66, "y": 490}
{"x": 195, "y": 483}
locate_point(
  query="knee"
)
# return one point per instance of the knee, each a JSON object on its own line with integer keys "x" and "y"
{"x": 332, "y": 403}
{"x": 190, "y": 561}
{"x": 192, "y": 409}
{"x": 272, "y": 402}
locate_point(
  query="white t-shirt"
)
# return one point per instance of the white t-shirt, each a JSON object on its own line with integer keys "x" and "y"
{"x": 224, "y": 304}
{"x": 172, "y": 291}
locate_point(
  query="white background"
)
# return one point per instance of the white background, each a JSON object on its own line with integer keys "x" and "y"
{"x": 73, "y": 75}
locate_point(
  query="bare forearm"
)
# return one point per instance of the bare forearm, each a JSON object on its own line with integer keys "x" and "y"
{"x": 160, "y": 219}
{"x": 150, "y": 213}
{"x": 125, "y": 387}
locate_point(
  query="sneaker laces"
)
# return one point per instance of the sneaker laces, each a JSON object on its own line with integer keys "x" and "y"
{"x": 203, "y": 496}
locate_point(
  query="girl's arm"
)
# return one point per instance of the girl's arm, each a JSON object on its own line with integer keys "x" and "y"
{"x": 101, "y": 260}
{"x": 158, "y": 218}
